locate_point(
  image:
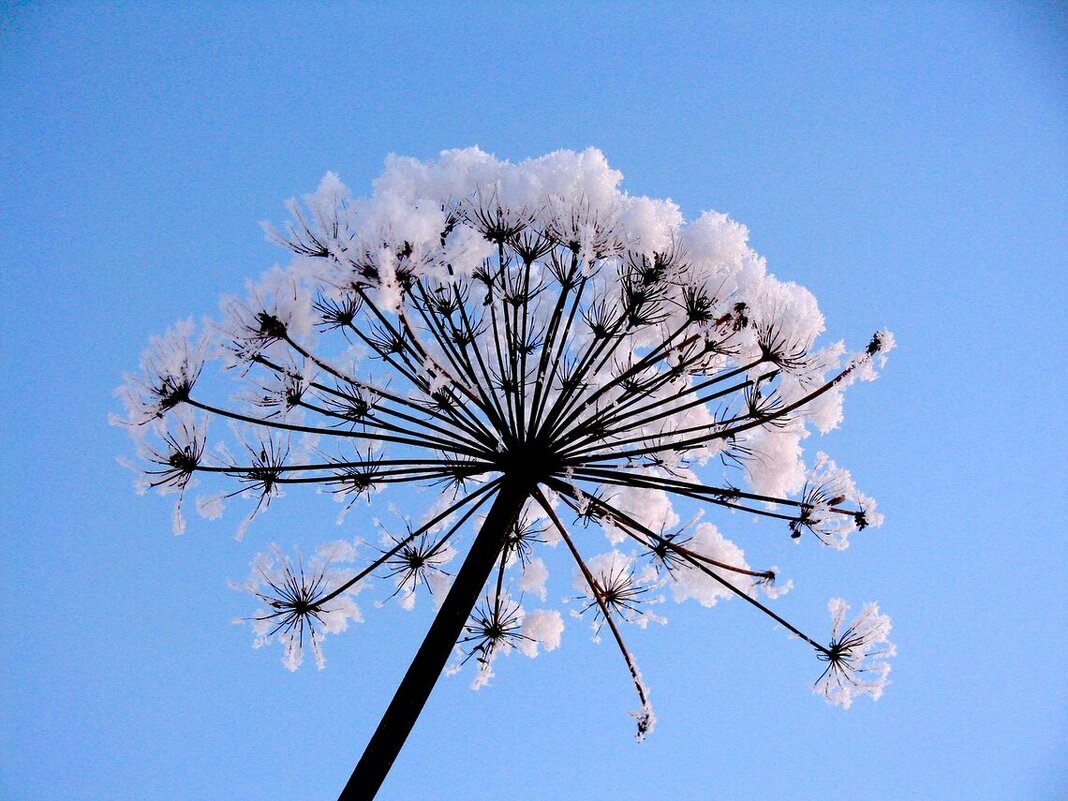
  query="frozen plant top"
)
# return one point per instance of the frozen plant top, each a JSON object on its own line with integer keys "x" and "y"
{"x": 479, "y": 325}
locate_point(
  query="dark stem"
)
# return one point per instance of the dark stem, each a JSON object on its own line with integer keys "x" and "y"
{"x": 434, "y": 653}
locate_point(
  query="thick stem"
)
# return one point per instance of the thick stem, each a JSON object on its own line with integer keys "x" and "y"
{"x": 430, "y": 660}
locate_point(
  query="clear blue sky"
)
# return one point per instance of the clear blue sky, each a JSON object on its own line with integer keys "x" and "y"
{"x": 906, "y": 162}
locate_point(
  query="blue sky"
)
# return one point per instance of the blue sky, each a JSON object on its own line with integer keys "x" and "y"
{"x": 905, "y": 162}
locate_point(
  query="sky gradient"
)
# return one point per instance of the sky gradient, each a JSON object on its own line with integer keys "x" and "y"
{"x": 907, "y": 163}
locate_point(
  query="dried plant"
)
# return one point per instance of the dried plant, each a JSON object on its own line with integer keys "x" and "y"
{"x": 557, "y": 357}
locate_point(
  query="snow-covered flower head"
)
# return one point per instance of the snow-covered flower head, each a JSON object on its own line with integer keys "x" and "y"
{"x": 827, "y": 489}
{"x": 498, "y": 626}
{"x": 856, "y": 655}
{"x": 303, "y": 602}
{"x": 561, "y": 362}
{"x": 172, "y": 457}
{"x": 170, "y": 367}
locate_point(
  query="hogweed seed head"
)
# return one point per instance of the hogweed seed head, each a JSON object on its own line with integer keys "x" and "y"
{"x": 478, "y": 324}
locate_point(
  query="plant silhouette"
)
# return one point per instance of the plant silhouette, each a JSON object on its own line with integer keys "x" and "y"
{"x": 564, "y": 362}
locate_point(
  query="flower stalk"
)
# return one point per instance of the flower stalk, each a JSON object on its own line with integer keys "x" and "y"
{"x": 430, "y": 660}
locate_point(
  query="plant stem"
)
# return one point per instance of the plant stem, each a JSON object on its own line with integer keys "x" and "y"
{"x": 437, "y": 646}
